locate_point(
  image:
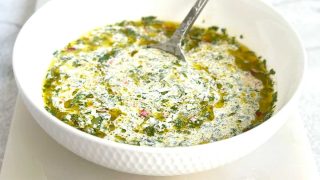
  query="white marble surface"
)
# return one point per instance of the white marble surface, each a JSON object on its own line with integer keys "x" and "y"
{"x": 13, "y": 13}
{"x": 303, "y": 14}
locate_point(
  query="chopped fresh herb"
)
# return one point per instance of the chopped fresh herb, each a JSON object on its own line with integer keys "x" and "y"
{"x": 219, "y": 57}
{"x": 133, "y": 53}
{"x": 112, "y": 127}
{"x": 215, "y": 28}
{"x": 272, "y": 71}
{"x": 184, "y": 74}
{"x": 224, "y": 30}
{"x": 120, "y": 138}
{"x": 55, "y": 53}
{"x": 174, "y": 108}
{"x": 150, "y": 130}
{"x": 179, "y": 124}
{"x": 97, "y": 120}
{"x": 164, "y": 92}
{"x": 219, "y": 86}
{"x": 274, "y": 97}
{"x": 89, "y": 96}
{"x": 148, "y": 20}
{"x": 76, "y": 63}
{"x": 164, "y": 100}
{"x": 77, "y": 99}
{"x": 114, "y": 113}
{"x": 122, "y": 23}
{"x": 211, "y": 98}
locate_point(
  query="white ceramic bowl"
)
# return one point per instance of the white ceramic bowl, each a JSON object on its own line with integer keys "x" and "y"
{"x": 60, "y": 21}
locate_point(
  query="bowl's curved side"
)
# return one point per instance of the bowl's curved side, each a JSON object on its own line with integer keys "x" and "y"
{"x": 146, "y": 160}
{"x": 163, "y": 162}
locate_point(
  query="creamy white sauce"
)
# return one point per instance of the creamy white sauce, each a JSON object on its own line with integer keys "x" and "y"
{"x": 153, "y": 89}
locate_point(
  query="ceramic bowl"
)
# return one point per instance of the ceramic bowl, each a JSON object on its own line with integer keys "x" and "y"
{"x": 59, "y": 22}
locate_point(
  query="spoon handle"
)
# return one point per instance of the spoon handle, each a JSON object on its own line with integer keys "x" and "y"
{"x": 188, "y": 20}
{"x": 173, "y": 45}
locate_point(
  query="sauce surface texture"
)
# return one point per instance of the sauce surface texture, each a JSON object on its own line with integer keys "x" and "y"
{"x": 109, "y": 84}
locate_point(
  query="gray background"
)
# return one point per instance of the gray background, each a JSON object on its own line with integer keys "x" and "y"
{"x": 303, "y": 14}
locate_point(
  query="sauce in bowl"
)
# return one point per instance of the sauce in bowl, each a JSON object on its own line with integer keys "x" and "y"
{"x": 109, "y": 84}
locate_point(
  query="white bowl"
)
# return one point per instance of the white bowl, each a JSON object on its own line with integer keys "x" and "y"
{"x": 59, "y": 22}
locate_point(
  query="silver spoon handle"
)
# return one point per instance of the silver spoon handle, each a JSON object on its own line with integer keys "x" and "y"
{"x": 188, "y": 20}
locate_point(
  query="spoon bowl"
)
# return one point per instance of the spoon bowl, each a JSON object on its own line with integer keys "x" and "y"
{"x": 173, "y": 45}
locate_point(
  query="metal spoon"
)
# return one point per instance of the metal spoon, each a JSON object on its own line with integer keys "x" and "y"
{"x": 173, "y": 45}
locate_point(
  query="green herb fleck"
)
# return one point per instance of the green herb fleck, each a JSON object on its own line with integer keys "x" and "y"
{"x": 148, "y": 20}
{"x": 224, "y": 31}
{"x": 164, "y": 92}
{"x": 150, "y": 130}
{"x": 272, "y": 72}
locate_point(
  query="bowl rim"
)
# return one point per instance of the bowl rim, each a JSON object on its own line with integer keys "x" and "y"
{"x": 118, "y": 145}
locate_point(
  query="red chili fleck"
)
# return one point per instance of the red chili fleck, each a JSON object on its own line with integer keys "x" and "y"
{"x": 258, "y": 113}
{"x": 143, "y": 113}
{"x": 253, "y": 72}
{"x": 110, "y": 61}
{"x": 71, "y": 49}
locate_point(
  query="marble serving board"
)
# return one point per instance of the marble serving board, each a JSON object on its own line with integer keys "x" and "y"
{"x": 32, "y": 154}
